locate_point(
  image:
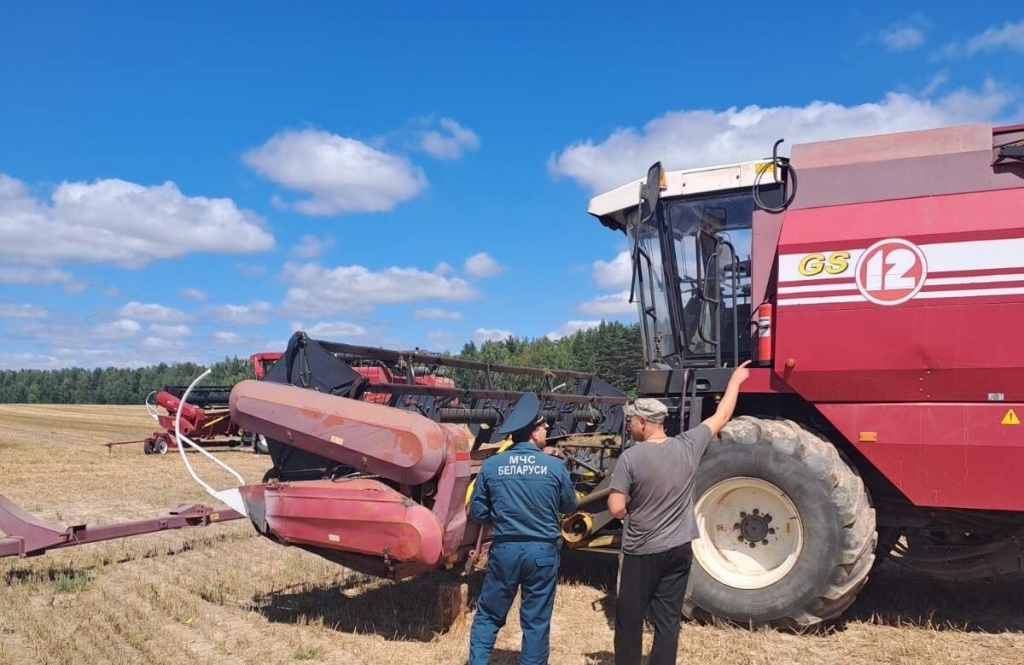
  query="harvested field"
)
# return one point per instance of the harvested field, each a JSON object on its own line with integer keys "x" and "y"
{"x": 221, "y": 595}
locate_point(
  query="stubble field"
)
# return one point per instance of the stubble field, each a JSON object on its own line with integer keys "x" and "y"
{"x": 221, "y": 595}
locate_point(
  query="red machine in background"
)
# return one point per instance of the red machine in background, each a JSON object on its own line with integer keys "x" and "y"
{"x": 205, "y": 417}
{"x": 207, "y": 420}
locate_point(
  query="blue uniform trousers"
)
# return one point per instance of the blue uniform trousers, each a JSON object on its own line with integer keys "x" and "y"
{"x": 533, "y": 566}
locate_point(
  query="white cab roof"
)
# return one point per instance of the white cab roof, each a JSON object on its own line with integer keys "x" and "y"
{"x": 612, "y": 206}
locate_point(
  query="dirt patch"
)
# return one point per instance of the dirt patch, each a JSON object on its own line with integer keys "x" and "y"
{"x": 222, "y": 595}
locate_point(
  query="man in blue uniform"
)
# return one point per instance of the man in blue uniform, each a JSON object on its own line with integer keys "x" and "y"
{"x": 521, "y": 493}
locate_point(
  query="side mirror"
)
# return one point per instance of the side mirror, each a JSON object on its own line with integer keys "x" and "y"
{"x": 651, "y": 191}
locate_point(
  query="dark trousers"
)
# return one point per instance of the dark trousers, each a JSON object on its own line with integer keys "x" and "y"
{"x": 655, "y": 582}
{"x": 533, "y": 567}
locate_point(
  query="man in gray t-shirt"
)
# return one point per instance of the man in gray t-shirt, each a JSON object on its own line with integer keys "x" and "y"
{"x": 653, "y": 484}
{"x": 658, "y": 478}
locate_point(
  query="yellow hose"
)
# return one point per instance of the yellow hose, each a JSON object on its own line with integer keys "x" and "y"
{"x": 502, "y": 448}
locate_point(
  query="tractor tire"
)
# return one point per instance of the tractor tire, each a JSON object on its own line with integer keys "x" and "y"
{"x": 160, "y": 446}
{"x": 260, "y": 446}
{"x": 787, "y": 531}
{"x": 148, "y": 447}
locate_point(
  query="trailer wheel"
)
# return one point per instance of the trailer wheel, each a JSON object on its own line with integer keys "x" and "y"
{"x": 148, "y": 447}
{"x": 787, "y": 532}
{"x": 160, "y": 445}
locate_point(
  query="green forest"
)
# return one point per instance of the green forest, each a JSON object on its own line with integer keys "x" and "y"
{"x": 611, "y": 350}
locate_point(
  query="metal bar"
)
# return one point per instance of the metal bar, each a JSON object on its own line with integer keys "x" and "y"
{"x": 27, "y": 535}
{"x": 357, "y": 352}
{"x": 473, "y": 393}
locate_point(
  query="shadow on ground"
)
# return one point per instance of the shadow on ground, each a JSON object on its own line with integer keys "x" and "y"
{"x": 598, "y": 571}
{"x": 400, "y": 611}
{"x": 406, "y": 611}
{"x": 893, "y": 596}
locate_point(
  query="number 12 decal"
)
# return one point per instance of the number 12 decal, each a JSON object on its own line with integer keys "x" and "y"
{"x": 891, "y": 271}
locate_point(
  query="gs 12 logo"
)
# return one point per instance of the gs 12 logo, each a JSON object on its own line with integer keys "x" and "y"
{"x": 891, "y": 271}
{"x": 832, "y": 263}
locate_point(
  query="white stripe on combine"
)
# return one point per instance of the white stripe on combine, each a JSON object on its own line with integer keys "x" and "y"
{"x": 812, "y": 288}
{"x": 961, "y": 293}
{"x": 975, "y": 279}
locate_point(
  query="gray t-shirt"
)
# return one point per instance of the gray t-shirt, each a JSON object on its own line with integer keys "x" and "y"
{"x": 658, "y": 480}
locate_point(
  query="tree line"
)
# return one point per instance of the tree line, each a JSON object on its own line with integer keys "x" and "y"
{"x": 611, "y": 350}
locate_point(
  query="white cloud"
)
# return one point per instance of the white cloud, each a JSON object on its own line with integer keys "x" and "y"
{"x": 1010, "y": 36}
{"x": 223, "y": 337}
{"x": 437, "y": 313}
{"x": 152, "y": 312}
{"x": 612, "y": 303}
{"x": 251, "y": 269}
{"x": 695, "y": 138}
{"x": 21, "y": 360}
{"x": 121, "y": 222}
{"x": 340, "y": 174}
{"x": 80, "y": 343}
{"x": 570, "y": 327}
{"x": 450, "y": 143}
{"x": 11, "y": 311}
{"x": 170, "y": 331}
{"x": 194, "y": 294}
{"x": 442, "y": 340}
{"x": 26, "y": 275}
{"x": 482, "y": 265}
{"x": 901, "y": 38}
{"x": 161, "y": 344}
{"x": 319, "y": 291}
{"x": 310, "y": 246}
{"x": 444, "y": 269}
{"x": 614, "y": 274}
{"x": 481, "y": 335}
{"x": 120, "y": 329}
{"x": 937, "y": 81}
{"x": 330, "y": 330}
{"x": 251, "y": 314}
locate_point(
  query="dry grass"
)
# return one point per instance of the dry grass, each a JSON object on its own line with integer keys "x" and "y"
{"x": 221, "y": 595}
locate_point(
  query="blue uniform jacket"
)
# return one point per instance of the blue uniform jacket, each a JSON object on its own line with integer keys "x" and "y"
{"x": 521, "y": 493}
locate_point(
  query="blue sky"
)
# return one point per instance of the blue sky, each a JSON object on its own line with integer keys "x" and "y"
{"x": 194, "y": 180}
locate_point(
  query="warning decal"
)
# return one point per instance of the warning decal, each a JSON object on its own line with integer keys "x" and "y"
{"x": 1011, "y": 418}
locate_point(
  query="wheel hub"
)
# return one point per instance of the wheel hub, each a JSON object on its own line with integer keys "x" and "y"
{"x": 754, "y": 527}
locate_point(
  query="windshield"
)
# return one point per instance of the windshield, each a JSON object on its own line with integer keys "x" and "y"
{"x": 650, "y": 288}
{"x": 711, "y": 239}
{"x": 692, "y": 279}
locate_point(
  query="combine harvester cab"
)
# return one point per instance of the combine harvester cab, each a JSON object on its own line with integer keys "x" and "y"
{"x": 376, "y": 475}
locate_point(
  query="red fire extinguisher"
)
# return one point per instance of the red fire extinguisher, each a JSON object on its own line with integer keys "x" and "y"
{"x": 764, "y": 334}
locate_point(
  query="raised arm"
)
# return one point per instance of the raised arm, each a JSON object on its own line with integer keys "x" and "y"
{"x": 727, "y": 405}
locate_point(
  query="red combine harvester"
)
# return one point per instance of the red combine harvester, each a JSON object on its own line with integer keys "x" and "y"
{"x": 877, "y": 283}
{"x": 204, "y": 418}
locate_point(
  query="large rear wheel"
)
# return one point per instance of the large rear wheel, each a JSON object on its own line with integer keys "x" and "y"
{"x": 787, "y": 532}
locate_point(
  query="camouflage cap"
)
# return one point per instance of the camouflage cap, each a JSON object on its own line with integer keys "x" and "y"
{"x": 649, "y": 409}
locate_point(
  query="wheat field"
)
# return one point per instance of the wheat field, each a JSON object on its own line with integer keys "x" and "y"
{"x": 221, "y": 595}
